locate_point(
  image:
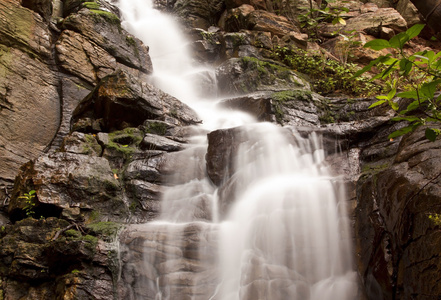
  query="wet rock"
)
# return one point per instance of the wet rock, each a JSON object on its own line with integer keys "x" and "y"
{"x": 30, "y": 120}
{"x": 247, "y": 74}
{"x": 197, "y": 13}
{"x": 156, "y": 142}
{"x": 82, "y": 58}
{"x": 81, "y": 143}
{"x": 23, "y": 29}
{"x": 104, "y": 29}
{"x": 122, "y": 100}
{"x": 64, "y": 180}
{"x": 73, "y": 90}
{"x": 220, "y": 157}
{"x": 42, "y": 7}
{"x": 258, "y": 105}
{"x": 393, "y": 228}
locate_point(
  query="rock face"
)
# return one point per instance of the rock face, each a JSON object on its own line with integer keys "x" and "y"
{"x": 397, "y": 243}
{"x": 85, "y": 52}
{"x": 29, "y": 121}
{"x": 81, "y": 125}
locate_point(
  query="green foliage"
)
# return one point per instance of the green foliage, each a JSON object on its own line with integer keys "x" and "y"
{"x": 436, "y": 219}
{"x": 108, "y": 16}
{"x": 104, "y": 230}
{"x": 419, "y": 77}
{"x": 90, "y": 5}
{"x": 29, "y": 203}
{"x": 326, "y": 75}
{"x": 311, "y": 20}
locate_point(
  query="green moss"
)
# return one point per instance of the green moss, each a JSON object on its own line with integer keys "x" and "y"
{"x": 94, "y": 215}
{"x": 374, "y": 169}
{"x": 278, "y": 111}
{"x": 327, "y": 75}
{"x": 75, "y": 271}
{"x": 125, "y": 141}
{"x": 104, "y": 230}
{"x": 130, "y": 41}
{"x": 133, "y": 206}
{"x": 72, "y": 233}
{"x": 108, "y": 16}
{"x": 156, "y": 128}
{"x": 91, "y": 5}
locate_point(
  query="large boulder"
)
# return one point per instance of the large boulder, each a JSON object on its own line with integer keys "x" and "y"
{"x": 122, "y": 100}
{"x": 104, "y": 29}
{"x": 238, "y": 76}
{"x": 371, "y": 22}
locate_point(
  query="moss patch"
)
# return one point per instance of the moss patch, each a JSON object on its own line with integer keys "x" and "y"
{"x": 107, "y": 231}
{"x": 107, "y": 16}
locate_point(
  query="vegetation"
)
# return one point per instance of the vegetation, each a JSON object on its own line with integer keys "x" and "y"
{"x": 311, "y": 20}
{"x": 415, "y": 77}
{"x": 327, "y": 75}
{"x": 29, "y": 203}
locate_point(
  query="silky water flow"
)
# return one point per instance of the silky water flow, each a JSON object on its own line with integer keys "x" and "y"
{"x": 278, "y": 230}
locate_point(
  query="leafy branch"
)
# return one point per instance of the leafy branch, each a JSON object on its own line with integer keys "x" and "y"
{"x": 420, "y": 76}
{"x": 29, "y": 203}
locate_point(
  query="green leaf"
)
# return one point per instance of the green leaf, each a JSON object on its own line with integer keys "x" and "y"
{"x": 377, "y": 103}
{"x": 403, "y": 131}
{"x": 391, "y": 94}
{"x": 371, "y": 64}
{"x": 408, "y": 119}
{"x": 389, "y": 70}
{"x": 408, "y": 94}
{"x": 428, "y": 89}
{"x": 405, "y": 66}
{"x": 412, "y": 106}
{"x": 431, "y": 134}
{"x": 414, "y": 30}
{"x": 31, "y": 192}
{"x": 377, "y": 44}
{"x": 393, "y": 105}
{"x": 399, "y": 40}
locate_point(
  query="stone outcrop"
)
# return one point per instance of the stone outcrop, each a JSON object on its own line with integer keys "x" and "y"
{"x": 397, "y": 244}
{"x": 99, "y": 144}
{"x": 29, "y": 120}
{"x": 89, "y": 44}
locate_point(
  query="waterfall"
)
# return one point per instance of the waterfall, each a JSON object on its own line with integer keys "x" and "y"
{"x": 284, "y": 234}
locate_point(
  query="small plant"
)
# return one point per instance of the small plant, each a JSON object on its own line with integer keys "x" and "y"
{"x": 436, "y": 219}
{"x": 327, "y": 75}
{"x": 311, "y": 20}
{"x": 29, "y": 203}
{"x": 419, "y": 77}
{"x": 344, "y": 47}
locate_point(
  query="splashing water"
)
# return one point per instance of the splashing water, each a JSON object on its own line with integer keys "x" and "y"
{"x": 285, "y": 234}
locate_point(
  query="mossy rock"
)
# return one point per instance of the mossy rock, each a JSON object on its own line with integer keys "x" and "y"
{"x": 106, "y": 231}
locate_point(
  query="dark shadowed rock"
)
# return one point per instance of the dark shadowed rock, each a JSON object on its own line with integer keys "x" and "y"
{"x": 122, "y": 100}
{"x": 397, "y": 243}
{"x": 222, "y": 147}
{"x": 66, "y": 180}
{"x": 198, "y": 13}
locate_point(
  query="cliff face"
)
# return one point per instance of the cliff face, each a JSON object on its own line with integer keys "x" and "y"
{"x": 82, "y": 126}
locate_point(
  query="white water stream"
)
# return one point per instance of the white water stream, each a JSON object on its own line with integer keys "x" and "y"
{"x": 286, "y": 234}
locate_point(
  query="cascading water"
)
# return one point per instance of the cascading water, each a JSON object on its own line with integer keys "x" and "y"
{"x": 285, "y": 235}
